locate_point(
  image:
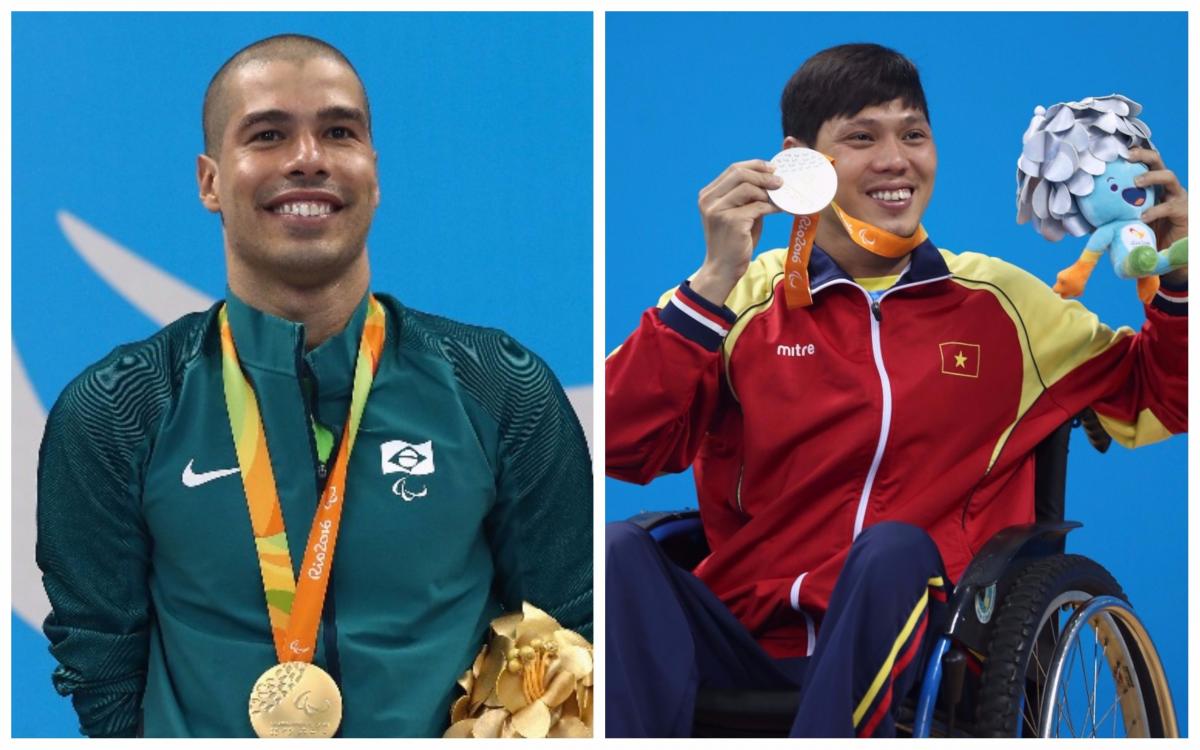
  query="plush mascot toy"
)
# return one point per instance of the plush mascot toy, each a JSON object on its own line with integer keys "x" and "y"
{"x": 1074, "y": 176}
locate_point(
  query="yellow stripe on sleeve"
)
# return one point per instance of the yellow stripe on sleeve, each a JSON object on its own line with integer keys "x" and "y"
{"x": 1146, "y": 430}
{"x": 754, "y": 288}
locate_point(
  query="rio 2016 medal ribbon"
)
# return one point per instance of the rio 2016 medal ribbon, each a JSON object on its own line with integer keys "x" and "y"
{"x": 294, "y": 698}
{"x": 809, "y": 184}
{"x": 879, "y": 241}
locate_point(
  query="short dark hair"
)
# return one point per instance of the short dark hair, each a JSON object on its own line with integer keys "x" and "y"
{"x": 292, "y": 47}
{"x": 842, "y": 81}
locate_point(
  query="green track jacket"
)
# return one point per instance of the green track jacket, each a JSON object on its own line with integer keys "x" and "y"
{"x": 469, "y": 491}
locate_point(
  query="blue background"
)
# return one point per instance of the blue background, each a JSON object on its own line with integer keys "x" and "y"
{"x": 690, "y": 93}
{"x": 483, "y": 124}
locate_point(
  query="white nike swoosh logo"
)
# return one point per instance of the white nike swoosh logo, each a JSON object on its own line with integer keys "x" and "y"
{"x": 192, "y": 479}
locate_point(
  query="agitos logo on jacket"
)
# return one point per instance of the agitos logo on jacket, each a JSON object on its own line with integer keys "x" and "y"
{"x": 409, "y": 459}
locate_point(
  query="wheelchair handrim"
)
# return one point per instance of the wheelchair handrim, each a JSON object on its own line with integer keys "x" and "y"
{"x": 1113, "y": 624}
{"x": 1110, "y": 655}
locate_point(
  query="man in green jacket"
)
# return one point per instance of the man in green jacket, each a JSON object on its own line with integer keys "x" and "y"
{"x": 196, "y": 489}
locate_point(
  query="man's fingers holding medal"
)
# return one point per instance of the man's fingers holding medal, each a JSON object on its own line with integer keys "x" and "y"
{"x": 754, "y": 210}
{"x": 745, "y": 194}
{"x": 753, "y": 173}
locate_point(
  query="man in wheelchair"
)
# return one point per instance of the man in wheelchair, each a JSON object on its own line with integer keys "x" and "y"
{"x": 854, "y": 454}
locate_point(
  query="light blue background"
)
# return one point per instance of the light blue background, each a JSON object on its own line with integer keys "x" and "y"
{"x": 483, "y": 124}
{"x": 690, "y": 93}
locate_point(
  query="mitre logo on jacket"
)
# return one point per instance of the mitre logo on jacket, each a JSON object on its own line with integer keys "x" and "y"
{"x": 409, "y": 460}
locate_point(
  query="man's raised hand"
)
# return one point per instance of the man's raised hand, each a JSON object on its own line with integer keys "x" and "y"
{"x": 731, "y": 209}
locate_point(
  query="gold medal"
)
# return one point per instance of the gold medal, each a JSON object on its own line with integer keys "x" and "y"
{"x": 295, "y": 699}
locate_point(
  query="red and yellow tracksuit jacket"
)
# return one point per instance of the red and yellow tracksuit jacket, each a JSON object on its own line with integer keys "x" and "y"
{"x": 804, "y": 426}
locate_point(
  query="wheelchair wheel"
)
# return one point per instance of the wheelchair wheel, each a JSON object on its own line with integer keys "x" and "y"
{"x": 1049, "y": 675}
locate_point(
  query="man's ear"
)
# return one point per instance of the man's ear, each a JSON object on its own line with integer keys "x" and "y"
{"x": 207, "y": 181}
{"x": 793, "y": 142}
{"x": 375, "y": 158}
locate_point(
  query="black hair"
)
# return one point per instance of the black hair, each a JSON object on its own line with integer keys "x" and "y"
{"x": 842, "y": 81}
{"x": 295, "y": 47}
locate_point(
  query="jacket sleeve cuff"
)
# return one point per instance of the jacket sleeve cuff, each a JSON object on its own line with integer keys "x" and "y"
{"x": 697, "y": 319}
{"x": 1171, "y": 299}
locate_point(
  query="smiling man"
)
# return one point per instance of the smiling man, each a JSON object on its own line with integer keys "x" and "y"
{"x": 296, "y": 513}
{"x": 851, "y": 454}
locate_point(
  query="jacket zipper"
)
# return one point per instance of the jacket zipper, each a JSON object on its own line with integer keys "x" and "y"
{"x": 333, "y": 661}
{"x": 886, "y": 419}
{"x": 885, "y": 382}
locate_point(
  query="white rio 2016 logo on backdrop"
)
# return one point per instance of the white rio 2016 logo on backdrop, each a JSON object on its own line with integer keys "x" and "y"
{"x": 409, "y": 459}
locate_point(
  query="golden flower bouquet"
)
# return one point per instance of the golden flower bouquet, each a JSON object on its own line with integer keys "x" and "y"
{"x": 533, "y": 679}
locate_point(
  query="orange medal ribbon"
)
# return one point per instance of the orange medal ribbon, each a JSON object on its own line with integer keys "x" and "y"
{"x": 795, "y": 289}
{"x": 867, "y": 236}
{"x": 294, "y": 607}
{"x": 873, "y": 239}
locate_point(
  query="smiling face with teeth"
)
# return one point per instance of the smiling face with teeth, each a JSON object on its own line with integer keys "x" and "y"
{"x": 885, "y": 161}
{"x": 295, "y": 177}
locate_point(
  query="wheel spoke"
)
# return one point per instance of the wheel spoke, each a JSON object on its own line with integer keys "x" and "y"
{"x": 1027, "y": 722}
{"x": 1030, "y": 715}
{"x": 1111, "y": 710}
{"x": 1095, "y": 678}
{"x": 1041, "y": 679}
{"x": 1083, "y": 672}
{"x": 1038, "y": 678}
{"x": 1064, "y": 706}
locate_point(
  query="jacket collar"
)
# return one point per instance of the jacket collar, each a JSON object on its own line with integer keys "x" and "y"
{"x": 925, "y": 264}
{"x": 268, "y": 342}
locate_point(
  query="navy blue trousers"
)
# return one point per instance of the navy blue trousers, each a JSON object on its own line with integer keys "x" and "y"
{"x": 667, "y": 635}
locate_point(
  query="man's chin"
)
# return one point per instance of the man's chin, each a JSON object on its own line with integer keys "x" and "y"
{"x": 305, "y": 232}
{"x": 315, "y": 255}
{"x": 900, "y": 226}
{"x": 299, "y": 259}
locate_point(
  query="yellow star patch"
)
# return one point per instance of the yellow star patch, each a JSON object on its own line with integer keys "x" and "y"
{"x": 963, "y": 355}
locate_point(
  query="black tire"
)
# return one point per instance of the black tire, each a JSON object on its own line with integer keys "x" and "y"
{"x": 1006, "y": 680}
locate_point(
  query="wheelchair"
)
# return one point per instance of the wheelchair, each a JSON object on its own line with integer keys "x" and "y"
{"x": 1038, "y": 643}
